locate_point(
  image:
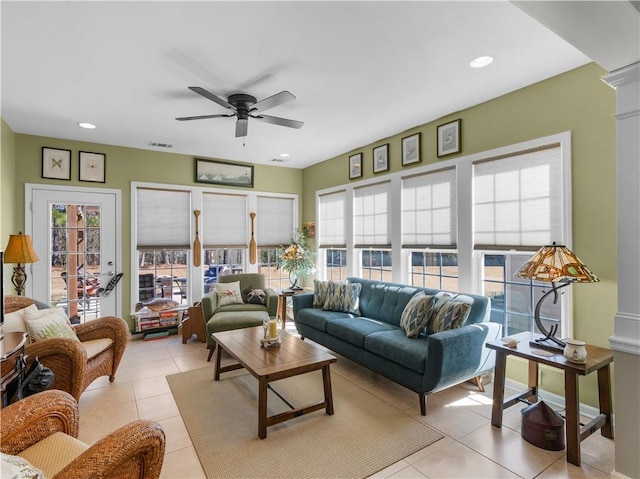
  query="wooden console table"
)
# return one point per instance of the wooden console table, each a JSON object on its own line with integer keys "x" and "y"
{"x": 598, "y": 359}
{"x": 11, "y": 349}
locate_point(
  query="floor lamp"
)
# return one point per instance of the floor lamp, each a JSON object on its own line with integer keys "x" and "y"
{"x": 19, "y": 250}
{"x": 558, "y": 265}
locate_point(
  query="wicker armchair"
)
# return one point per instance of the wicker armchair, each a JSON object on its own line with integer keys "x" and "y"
{"x": 76, "y": 365}
{"x": 29, "y": 430}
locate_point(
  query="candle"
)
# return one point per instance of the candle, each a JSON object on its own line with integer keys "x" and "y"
{"x": 273, "y": 329}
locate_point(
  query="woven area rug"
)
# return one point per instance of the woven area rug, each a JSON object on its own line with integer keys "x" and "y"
{"x": 363, "y": 436}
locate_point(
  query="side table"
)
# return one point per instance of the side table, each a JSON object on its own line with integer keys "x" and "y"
{"x": 193, "y": 323}
{"x": 598, "y": 359}
{"x": 282, "y": 303}
{"x": 11, "y": 350}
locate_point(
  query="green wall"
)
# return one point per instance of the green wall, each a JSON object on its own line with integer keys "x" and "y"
{"x": 124, "y": 165}
{"x": 577, "y": 101}
{"x": 8, "y": 196}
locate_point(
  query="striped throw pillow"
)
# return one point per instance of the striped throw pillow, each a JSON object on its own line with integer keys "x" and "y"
{"x": 447, "y": 313}
{"x": 416, "y": 314}
{"x": 344, "y": 297}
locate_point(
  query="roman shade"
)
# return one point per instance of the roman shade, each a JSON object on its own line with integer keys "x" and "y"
{"x": 224, "y": 220}
{"x": 163, "y": 218}
{"x": 371, "y": 216}
{"x": 332, "y": 220}
{"x": 275, "y": 222}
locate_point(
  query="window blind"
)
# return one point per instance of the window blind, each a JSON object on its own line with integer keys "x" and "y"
{"x": 274, "y": 221}
{"x": 224, "y": 221}
{"x": 163, "y": 218}
{"x": 371, "y": 216}
{"x": 331, "y": 220}
{"x": 517, "y": 200}
{"x": 429, "y": 211}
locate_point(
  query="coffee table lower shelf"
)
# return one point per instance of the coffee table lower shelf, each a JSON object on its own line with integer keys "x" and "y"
{"x": 293, "y": 357}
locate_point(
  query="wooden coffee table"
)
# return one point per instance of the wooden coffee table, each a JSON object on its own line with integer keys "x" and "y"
{"x": 291, "y": 358}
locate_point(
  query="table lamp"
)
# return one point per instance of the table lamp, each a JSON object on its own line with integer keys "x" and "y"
{"x": 559, "y": 266}
{"x": 19, "y": 250}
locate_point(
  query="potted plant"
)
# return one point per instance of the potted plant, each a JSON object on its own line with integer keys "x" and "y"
{"x": 297, "y": 260}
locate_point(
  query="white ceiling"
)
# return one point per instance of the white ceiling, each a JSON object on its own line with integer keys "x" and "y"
{"x": 361, "y": 71}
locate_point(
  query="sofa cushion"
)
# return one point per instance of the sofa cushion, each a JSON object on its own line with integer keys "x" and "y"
{"x": 383, "y": 301}
{"x": 448, "y": 313}
{"x": 318, "y": 318}
{"x": 355, "y": 330}
{"x": 343, "y": 297}
{"x": 239, "y": 307}
{"x": 228, "y": 293}
{"x": 96, "y": 346}
{"x": 320, "y": 292}
{"x": 48, "y": 323}
{"x": 394, "y": 346}
{"x": 416, "y": 314}
{"x": 226, "y": 321}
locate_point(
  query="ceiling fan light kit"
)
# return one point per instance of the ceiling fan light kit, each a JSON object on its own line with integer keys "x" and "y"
{"x": 246, "y": 106}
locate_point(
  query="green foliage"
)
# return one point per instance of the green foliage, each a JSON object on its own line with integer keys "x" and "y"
{"x": 297, "y": 258}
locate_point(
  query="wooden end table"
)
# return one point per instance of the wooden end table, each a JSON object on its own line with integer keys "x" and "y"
{"x": 598, "y": 359}
{"x": 291, "y": 358}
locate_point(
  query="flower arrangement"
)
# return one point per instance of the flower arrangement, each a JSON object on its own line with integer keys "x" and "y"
{"x": 297, "y": 259}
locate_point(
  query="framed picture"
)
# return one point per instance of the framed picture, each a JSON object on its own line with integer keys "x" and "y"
{"x": 449, "y": 138}
{"x": 411, "y": 149}
{"x": 381, "y": 158}
{"x": 56, "y": 163}
{"x": 92, "y": 166}
{"x": 355, "y": 166}
{"x": 221, "y": 173}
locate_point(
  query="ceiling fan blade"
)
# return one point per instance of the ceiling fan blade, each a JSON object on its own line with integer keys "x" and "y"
{"x": 202, "y": 117}
{"x": 211, "y": 96}
{"x": 241, "y": 128}
{"x": 272, "y": 101}
{"x": 279, "y": 121}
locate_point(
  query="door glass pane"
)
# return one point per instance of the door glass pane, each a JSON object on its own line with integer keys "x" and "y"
{"x": 75, "y": 260}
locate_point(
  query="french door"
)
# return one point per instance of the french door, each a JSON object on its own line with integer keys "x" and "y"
{"x": 76, "y": 234}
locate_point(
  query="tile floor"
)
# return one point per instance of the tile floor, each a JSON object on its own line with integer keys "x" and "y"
{"x": 471, "y": 448}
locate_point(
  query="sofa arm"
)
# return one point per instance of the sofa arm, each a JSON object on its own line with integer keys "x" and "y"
{"x": 458, "y": 354}
{"x": 134, "y": 450}
{"x": 301, "y": 301}
{"x": 209, "y": 305}
{"x": 271, "y": 302}
{"x": 36, "y": 417}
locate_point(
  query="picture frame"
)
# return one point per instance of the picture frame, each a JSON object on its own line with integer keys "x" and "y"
{"x": 355, "y": 166}
{"x": 381, "y": 158}
{"x": 411, "y": 149}
{"x": 223, "y": 173}
{"x": 56, "y": 163}
{"x": 449, "y": 138}
{"x": 92, "y": 167}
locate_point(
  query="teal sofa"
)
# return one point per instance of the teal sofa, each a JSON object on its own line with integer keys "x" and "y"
{"x": 374, "y": 339}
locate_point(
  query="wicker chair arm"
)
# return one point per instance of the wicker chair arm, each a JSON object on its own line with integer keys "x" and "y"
{"x": 132, "y": 451}
{"x": 30, "y": 420}
{"x": 104, "y": 327}
{"x": 66, "y": 357}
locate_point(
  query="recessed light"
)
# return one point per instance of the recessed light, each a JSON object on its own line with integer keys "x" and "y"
{"x": 88, "y": 126}
{"x": 481, "y": 62}
{"x": 284, "y": 155}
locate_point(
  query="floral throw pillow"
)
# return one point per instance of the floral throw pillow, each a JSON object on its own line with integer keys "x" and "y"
{"x": 48, "y": 323}
{"x": 228, "y": 293}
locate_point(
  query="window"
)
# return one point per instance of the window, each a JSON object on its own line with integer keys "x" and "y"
{"x": 336, "y": 264}
{"x": 274, "y": 276}
{"x": 513, "y": 299}
{"x": 376, "y": 264}
{"x": 518, "y": 207}
{"x": 221, "y": 261}
{"x": 162, "y": 232}
{"x": 434, "y": 270}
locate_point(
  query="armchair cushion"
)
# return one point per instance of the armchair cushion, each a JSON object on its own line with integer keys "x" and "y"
{"x": 54, "y": 452}
{"x": 48, "y": 323}
{"x": 14, "y": 322}
{"x": 96, "y": 346}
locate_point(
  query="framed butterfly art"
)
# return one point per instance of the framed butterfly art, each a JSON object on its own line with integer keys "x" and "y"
{"x": 56, "y": 163}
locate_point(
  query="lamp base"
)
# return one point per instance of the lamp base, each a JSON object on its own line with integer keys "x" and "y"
{"x": 547, "y": 344}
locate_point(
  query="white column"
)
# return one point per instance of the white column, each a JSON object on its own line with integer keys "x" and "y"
{"x": 626, "y": 339}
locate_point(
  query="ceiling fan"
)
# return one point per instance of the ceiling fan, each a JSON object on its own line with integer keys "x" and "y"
{"x": 245, "y": 106}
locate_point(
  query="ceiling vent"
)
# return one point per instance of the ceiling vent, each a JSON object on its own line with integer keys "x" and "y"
{"x": 160, "y": 145}
{"x": 277, "y": 160}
